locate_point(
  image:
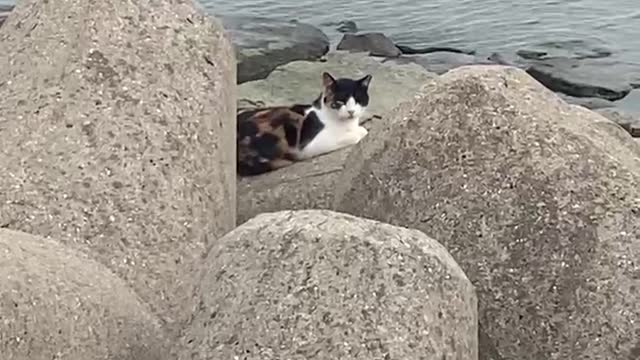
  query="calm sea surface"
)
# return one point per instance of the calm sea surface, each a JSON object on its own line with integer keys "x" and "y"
{"x": 562, "y": 26}
{"x": 483, "y": 25}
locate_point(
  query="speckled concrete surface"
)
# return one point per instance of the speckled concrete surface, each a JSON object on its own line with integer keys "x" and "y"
{"x": 316, "y": 284}
{"x": 537, "y": 200}
{"x": 57, "y": 303}
{"x": 117, "y": 123}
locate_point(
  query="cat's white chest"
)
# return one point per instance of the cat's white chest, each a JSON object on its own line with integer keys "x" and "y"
{"x": 335, "y": 135}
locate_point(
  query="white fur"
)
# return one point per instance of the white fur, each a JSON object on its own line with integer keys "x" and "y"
{"x": 341, "y": 129}
{"x": 351, "y": 105}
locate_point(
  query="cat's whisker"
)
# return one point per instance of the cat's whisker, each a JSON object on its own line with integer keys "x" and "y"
{"x": 370, "y": 118}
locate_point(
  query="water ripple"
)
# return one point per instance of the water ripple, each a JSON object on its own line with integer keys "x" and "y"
{"x": 483, "y": 25}
{"x": 489, "y": 25}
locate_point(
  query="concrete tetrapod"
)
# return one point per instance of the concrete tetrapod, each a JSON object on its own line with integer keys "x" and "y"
{"x": 315, "y": 284}
{"x": 537, "y": 200}
{"x": 117, "y": 125}
{"x": 57, "y": 303}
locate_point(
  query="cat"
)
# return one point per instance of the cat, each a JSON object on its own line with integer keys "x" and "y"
{"x": 270, "y": 138}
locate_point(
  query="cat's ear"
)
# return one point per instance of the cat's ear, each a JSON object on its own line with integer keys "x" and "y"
{"x": 327, "y": 79}
{"x": 365, "y": 81}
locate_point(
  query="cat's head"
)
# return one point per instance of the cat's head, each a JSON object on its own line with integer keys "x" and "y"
{"x": 347, "y": 98}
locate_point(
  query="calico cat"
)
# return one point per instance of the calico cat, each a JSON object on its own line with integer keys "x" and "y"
{"x": 271, "y": 138}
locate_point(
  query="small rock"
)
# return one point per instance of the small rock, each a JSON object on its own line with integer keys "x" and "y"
{"x": 531, "y": 54}
{"x": 580, "y": 78}
{"x": 316, "y": 284}
{"x": 377, "y": 44}
{"x": 408, "y": 50}
{"x": 502, "y": 59}
{"x": 595, "y": 53}
{"x": 344, "y": 26}
{"x": 629, "y": 122}
{"x": 589, "y": 103}
{"x": 441, "y": 62}
{"x": 574, "y": 49}
{"x": 347, "y": 26}
{"x": 263, "y": 44}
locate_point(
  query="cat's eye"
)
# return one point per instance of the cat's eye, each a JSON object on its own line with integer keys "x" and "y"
{"x": 337, "y": 104}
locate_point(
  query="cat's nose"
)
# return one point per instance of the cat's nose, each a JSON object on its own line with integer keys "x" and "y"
{"x": 351, "y": 112}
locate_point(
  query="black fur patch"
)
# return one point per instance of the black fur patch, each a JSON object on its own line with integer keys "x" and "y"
{"x": 266, "y": 145}
{"x": 300, "y": 108}
{"x": 246, "y": 128}
{"x": 265, "y": 138}
{"x": 291, "y": 134}
{"x": 317, "y": 103}
{"x": 245, "y": 169}
{"x": 246, "y": 115}
{"x": 310, "y": 128}
{"x": 343, "y": 89}
{"x": 291, "y": 130}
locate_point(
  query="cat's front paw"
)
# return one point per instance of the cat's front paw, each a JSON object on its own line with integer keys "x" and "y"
{"x": 361, "y": 132}
{"x": 353, "y": 136}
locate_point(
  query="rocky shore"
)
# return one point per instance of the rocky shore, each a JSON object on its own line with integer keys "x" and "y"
{"x": 586, "y": 77}
{"x": 486, "y": 216}
{"x": 262, "y": 44}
